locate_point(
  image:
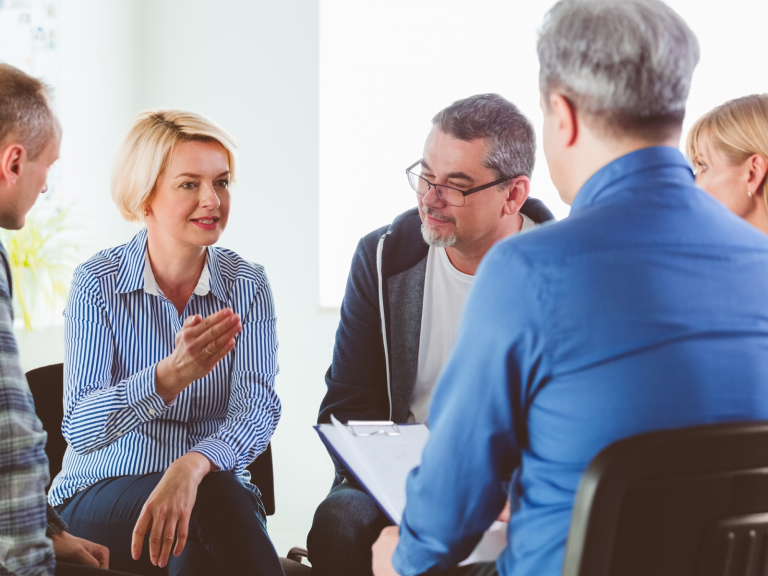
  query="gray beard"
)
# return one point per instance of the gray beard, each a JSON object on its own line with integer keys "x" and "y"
{"x": 437, "y": 241}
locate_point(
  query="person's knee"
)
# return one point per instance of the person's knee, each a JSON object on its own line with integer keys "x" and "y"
{"x": 222, "y": 493}
{"x": 347, "y": 515}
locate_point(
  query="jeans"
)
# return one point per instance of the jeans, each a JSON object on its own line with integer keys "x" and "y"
{"x": 346, "y": 525}
{"x": 227, "y": 531}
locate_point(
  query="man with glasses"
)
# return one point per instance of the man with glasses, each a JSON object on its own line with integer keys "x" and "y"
{"x": 406, "y": 291}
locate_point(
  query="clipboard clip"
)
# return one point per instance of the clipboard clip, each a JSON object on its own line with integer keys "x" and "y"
{"x": 386, "y": 427}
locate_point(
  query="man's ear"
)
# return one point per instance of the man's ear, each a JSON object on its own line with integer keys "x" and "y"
{"x": 758, "y": 168}
{"x": 566, "y": 122}
{"x": 517, "y": 193}
{"x": 11, "y": 161}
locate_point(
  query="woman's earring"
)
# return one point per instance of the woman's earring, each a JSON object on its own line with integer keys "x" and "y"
{"x": 750, "y": 194}
{"x": 146, "y": 212}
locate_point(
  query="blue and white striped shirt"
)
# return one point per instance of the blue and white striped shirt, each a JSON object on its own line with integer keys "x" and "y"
{"x": 118, "y": 326}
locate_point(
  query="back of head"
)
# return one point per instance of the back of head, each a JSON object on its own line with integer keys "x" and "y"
{"x": 146, "y": 149}
{"x": 510, "y": 135}
{"x": 626, "y": 65}
{"x": 738, "y": 129}
{"x": 25, "y": 113}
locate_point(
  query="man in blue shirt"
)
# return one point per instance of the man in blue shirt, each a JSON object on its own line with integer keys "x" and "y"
{"x": 643, "y": 310}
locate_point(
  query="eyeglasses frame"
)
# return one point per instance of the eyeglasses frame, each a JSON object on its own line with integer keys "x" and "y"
{"x": 464, "y": 193}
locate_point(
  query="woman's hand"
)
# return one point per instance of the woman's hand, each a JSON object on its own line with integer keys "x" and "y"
{"x": 383, "y": 550}
{"x": 167, "y": 510}
{"x": 68, "y": 548}
{"x": 200, "y": 345}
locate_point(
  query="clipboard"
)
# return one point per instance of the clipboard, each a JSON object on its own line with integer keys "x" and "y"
{"x": 380, "y": 455}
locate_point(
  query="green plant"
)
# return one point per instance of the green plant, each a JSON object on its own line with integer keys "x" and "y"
{"x": 42, "y": 256}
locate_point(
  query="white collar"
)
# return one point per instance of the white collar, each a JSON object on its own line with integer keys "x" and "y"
{"x": 150, "y": 285}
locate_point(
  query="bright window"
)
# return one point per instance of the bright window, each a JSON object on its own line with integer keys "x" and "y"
{"x": 387, "y": 67}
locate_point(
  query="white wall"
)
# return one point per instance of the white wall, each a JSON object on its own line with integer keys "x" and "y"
{"x": 253, "y": 67}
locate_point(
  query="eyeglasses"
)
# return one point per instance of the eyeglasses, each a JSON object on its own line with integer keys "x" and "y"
{"x": 448, "y": 194}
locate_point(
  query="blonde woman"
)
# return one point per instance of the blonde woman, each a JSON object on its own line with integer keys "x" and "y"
{"x": 171, "y": 356}
{"x": 729, "y": 149}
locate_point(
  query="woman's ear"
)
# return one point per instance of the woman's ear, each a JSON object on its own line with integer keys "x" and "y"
{"x": 758, "y": 168}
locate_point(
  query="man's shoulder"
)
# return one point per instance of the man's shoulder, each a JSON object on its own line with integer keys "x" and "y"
{"x": 547, "y": 242}
{"x": 5, "y": 273}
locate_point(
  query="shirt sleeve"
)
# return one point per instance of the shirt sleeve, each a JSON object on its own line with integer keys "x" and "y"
{"x": 56, "y": 523}
{"x": 254, "y": 408}
{"x": 24, "y": 549}
{"x": 477, "y": 424}
{"x": 96, "y": 412}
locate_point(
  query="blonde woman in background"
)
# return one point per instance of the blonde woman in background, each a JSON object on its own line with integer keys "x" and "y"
{"x": 170, "y": 360}
{"x": 729, "y": 150}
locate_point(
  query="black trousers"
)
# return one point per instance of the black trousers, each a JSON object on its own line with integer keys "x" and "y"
{"x": 346, "y": 525}
{"x": 227, "y": 530}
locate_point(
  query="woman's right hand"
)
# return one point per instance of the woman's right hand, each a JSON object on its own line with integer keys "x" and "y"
{"x": 200, "y": 345}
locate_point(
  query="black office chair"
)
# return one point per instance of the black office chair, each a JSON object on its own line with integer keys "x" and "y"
{"x": 685, "y": 502}
{"x": 47, "y": 386}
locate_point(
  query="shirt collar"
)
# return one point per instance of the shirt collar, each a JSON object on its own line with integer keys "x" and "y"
{"x": 653, "y": 163}
{"x": 130, "y": 271}
{"x": 150, "y": 284}
{"x": 134, "y": 273}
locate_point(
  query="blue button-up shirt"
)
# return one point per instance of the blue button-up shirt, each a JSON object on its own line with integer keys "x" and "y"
{"x": 645, "y": 309}
{"x": 118, "y": 327}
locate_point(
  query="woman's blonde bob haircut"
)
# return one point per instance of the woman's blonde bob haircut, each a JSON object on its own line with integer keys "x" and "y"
{"x": 146, "y": 148}
{"x": 738, "y": 129}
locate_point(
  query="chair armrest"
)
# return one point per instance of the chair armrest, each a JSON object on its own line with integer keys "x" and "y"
{"x": 297, "y": 553}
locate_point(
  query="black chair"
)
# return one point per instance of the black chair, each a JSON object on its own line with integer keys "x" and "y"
{"x": 47, "y": 386}
{"x": 685, "y": 502}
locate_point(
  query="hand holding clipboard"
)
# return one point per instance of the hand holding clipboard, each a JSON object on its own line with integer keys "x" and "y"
{"x": 380, "y": 455}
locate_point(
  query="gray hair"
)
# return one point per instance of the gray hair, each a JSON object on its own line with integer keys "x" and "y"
{"x": 25, "y": 112}
{"x": 625, "y": 63}
{"x": 510, "y": 135}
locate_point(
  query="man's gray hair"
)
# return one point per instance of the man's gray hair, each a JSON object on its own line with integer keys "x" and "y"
{"x": 25, "y": 112}
{"x": 625, "y": 63}
{"x": 510, "y": 135}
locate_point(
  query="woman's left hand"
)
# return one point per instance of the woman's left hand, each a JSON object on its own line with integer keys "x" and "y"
{"x": 167, "y": 510}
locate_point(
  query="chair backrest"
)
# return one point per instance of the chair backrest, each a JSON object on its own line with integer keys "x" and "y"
{"x": 262, "y": 475}
{"x": 47, "y": 386}
{"x": 691, "y": 501}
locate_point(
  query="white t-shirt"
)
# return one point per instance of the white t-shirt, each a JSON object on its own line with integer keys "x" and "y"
{"x": 445, "y": 293}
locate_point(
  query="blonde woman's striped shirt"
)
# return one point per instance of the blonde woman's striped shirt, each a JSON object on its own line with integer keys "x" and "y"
{"x": 118, "y": 326}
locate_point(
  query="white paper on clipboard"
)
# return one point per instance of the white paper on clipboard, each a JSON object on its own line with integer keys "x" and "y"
{"x": 381, "y": 455}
